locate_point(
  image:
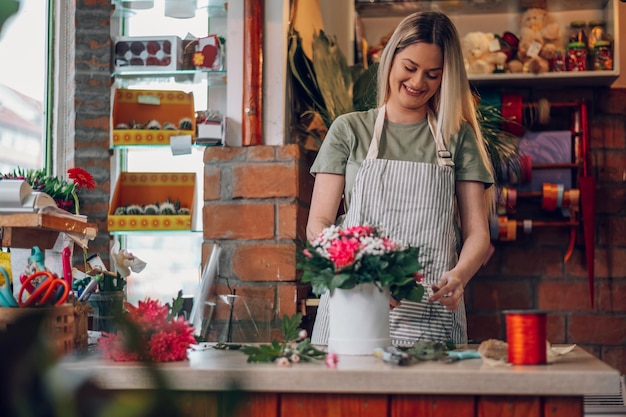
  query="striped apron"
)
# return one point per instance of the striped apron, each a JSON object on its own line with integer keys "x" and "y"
{"x": 413, "y": 203}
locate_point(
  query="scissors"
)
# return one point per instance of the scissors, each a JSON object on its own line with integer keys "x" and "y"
{"x": 51, "y": 291}
{"x": 6, "y": 296}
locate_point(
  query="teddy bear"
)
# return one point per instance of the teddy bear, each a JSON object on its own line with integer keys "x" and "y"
{"x": 539, "y": 40}
{"x": 479, "y": 54}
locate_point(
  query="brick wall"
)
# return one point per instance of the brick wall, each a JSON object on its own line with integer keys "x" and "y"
{"x": 93, "y": 109}
{"x": 256, "y": 205}
{"x": 530, "y": 273}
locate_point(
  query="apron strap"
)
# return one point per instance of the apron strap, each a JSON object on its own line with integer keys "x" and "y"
{"x": 444, "y": 156}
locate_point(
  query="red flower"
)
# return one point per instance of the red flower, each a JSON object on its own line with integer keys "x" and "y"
{"x": 81, "y": 178}
{"x": 171, "y": 343}
{"x": 148, "y": 313}
{"x": 164, "y": 340}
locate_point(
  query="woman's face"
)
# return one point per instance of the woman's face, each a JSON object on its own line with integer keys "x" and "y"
{"x": 414, "y": 78}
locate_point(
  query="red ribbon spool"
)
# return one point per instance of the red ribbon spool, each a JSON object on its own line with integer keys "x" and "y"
{"x": 526, "y": 337}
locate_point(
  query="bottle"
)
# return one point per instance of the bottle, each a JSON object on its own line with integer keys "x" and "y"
{"x": 602, "y": 56}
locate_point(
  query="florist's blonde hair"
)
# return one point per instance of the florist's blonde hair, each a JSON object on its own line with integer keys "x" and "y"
{"x": 454, "y": 102}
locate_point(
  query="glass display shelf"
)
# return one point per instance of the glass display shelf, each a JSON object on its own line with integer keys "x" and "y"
{"x": 214, "y": 78}
{"x": 194, "y": 145}
{"x": 155, "y": 232}
{"x": 126, "y": 8}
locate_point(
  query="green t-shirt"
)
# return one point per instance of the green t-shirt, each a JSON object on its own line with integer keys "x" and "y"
{"x": 348, "y": 139}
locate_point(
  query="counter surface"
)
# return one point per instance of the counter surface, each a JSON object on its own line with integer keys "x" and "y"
{"x": 577, "y": 373}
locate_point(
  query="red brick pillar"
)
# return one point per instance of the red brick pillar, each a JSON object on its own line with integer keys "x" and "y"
{"x": 256, "y": 202}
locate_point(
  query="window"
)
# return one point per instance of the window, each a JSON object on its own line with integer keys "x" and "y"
{"x": 23, "y": 86}
{"x": 173, "y": 259}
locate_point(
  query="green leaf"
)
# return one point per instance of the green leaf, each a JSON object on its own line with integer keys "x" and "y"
{"x": 263, "y": 353}
{"x": 333, "y": 75}
{"x": 290, "y": 327}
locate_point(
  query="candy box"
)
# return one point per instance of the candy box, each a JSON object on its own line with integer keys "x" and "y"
{"x": 147, "y": 53}
{"x": 139, "y": 191}
{"x": 151, "y": 117}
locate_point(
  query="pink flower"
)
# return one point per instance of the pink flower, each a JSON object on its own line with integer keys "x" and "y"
{"x": 418, "y": 277}
{"x": 164, "y": 340}
{"x": 283, "y": 362}
{"x": 332, "y": 359}
{"x": 302, "y": 334}
{"x": 360, "y": 231}
{"x": 112, "y": 347}
{"x": 149, "y": 313}
{"x": 307, "y": 253}
{"x": 342, "y": 251}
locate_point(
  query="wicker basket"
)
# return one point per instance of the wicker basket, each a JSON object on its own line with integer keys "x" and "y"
{"x": 57, "y": 329}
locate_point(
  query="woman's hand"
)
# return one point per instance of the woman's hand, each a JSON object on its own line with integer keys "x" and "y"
{"x": 448, "y": 291}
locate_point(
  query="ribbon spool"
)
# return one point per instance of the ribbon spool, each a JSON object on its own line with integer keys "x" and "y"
{"x": 526, "y": 169}
{"x": 526, "y": 337}
{"x": 507, "y": 200}
{"x": 507, "y": 229}
{"x": 555, "y": 196}
{"x": 512, "y": 108}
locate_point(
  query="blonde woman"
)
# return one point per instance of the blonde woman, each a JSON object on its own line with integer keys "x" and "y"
{"x": 416, "y": 167}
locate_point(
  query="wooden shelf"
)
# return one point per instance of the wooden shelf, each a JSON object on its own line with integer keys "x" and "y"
{"x": 25, "y": 230}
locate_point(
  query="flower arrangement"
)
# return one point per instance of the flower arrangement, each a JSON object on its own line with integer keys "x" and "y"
{"x": 62, "y": 190}
{"x": 344, "y": 258}
{"x": 150, "y": 331}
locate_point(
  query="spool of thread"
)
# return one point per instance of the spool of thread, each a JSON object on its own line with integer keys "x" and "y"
{"x": 526, "y": 337}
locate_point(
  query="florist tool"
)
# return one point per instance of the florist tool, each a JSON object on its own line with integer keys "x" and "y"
{"x": 6, "y": 296}
{"x": 393, "y": 355}
{"x": 90, "y": 288}
{"x": 51, "y": 291}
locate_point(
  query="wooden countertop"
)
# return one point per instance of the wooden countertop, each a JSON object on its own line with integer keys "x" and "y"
{"x": 577, "y": 373}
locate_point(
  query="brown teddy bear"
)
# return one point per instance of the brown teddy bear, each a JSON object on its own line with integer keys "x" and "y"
{"x": 539, "y": 39}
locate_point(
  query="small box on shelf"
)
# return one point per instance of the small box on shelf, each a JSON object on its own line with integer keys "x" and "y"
{"x": 147, "y": 53}
{"x": 151, "y": 117}
{"x": 151, "y": 201}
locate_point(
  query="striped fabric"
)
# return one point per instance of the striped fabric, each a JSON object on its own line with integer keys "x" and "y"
{"x": 413, "y": 203}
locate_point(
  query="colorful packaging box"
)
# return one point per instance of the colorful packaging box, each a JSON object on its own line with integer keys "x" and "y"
{"x": 147, "y": 53}
{"x": 145, "y": 188}
{"x": 134, "y": 110}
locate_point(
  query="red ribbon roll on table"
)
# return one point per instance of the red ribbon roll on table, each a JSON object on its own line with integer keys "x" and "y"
{"x": 526, "y": 337}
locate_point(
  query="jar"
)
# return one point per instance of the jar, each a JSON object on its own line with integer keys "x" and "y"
{"x": 578, "y": 31}
{"x": 559, "y": 63}
{"x": 597, "y": 32}
{"x": 577, "y": 56}
{"x": 602, "y": 56}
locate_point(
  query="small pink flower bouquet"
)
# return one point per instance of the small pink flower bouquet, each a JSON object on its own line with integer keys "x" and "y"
{"x": 344, "y": 258}
{"x": 150, "y": 332}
